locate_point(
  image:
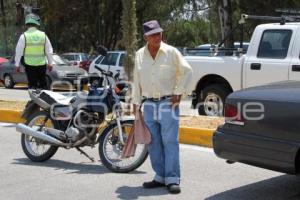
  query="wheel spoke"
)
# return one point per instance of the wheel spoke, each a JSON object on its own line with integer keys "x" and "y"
{"x": 213, "y": 105}
{"x": 113, "y": 153}
{"x": 33, "y": 145}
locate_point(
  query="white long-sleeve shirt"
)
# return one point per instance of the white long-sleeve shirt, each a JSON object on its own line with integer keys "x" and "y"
{"x": 168, "y": 74}
{"x": 21, "y": 45}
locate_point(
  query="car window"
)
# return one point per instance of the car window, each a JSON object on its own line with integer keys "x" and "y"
{"x": 77, "y": 57}
{"x": 274, "y": 44}
{"x": 84, "y": 57}
{"x": 69, "y": 57}
{"x": 99, "y": 59}
{"x": 58, "y": 60}
{"x": 121, "y": 62}
{"x": 12, "y": 60}
{"x": 110, "y": 59}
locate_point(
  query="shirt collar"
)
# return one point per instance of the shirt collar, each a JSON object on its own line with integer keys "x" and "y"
{"x": 162, "y": 48}
{"x": 32, "y": 29}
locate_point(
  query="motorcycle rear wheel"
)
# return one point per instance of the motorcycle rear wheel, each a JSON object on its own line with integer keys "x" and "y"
{"x": 35, "y": 149}
{"x": 110, "y": 149}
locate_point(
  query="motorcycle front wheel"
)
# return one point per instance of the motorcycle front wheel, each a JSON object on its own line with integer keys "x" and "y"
{"x": 35, "y": 149}
{"x": 110, "y": 149}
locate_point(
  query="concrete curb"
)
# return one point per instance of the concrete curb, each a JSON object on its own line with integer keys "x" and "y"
{"x": 187, "y": 135}
{"x": 10, "y": 116}
{"x": 197, "y": 136}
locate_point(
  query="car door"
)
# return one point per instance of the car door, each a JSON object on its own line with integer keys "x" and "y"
{"x": 272, "y": 59}
{"x": 95, "y": 62}
{"x": 120, "y": 66}
{"x": 110, "y": 61}
{"x": 18, "y": 76}
{"x": 294, "y": 69}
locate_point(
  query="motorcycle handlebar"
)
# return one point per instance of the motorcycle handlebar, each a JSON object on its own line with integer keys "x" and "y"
{"x": 109, "y": 73}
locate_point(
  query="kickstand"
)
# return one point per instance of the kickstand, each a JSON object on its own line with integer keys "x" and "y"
{"x": 82, "y": 152}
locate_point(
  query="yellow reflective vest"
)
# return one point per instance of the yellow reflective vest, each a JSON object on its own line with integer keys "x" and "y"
{"x": 34, "y": 52}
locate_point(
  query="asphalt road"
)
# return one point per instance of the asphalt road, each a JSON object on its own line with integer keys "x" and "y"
{"x": 20, "y": 93}
{"x": 69, "y": 175}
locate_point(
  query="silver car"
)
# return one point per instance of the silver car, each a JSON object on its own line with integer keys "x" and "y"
{"x": 61, "y": 74}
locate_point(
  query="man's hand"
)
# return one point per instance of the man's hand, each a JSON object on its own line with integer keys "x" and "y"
{"x": 50, "y": 67}
{"x": 18, "y": 69}
{"x": 175, "y": 100}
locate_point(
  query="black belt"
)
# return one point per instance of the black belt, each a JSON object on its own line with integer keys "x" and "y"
{"x": 157, "y": 99}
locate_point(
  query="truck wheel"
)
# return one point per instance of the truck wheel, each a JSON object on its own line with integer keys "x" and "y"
{"x": 213, "y": 100}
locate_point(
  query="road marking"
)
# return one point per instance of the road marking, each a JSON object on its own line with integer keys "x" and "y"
{"x": 7, "y": 124}
{"x": 197, "y": 148}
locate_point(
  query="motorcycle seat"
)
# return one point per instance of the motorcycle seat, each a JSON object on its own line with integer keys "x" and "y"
{"x": 54, "y": 97}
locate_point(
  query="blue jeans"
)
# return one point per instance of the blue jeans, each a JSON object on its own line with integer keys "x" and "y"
{"x": 163, "y": 123}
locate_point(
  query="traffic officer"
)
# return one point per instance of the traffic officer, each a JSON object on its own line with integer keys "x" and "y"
{"x": 33, "y": 47}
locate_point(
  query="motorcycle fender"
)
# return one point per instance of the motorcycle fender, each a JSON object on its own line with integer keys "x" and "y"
{"x": 110, "y": 124}
{"x": 30, "y": 108}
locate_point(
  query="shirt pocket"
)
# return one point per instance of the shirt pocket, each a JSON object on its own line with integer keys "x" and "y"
{"x": 166, "y": 72}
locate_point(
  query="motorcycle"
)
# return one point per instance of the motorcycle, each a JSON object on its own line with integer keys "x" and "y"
{"x": 56, "y": 121}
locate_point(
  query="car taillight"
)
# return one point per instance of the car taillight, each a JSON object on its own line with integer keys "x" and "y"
{"x": 233, "y": 115}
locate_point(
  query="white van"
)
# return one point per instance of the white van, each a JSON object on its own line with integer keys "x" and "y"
{"x": 112, "y": 61}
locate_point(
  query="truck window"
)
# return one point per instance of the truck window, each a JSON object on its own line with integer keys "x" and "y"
{"x": 274, "y": 44}
{"x": 121, "y": 62}
{"x": 110, "y": 59}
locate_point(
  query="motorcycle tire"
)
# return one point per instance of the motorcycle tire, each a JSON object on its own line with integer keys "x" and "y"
{"x": 115, "y": 164}
{"x": 33, "y": 156}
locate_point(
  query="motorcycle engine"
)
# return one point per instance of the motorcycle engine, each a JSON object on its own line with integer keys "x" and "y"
{"x": 84, "y": 125}
{"x": 73, "y": 134}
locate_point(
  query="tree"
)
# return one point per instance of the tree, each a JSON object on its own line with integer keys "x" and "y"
{"x": 3, "y": 16}
{"x": 129, "y": 29}
{"x": 225, "y": 15}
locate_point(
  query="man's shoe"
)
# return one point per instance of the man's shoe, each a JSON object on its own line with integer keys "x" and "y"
{"x": 153, "y": 184}
{"x": 174, "y": 188}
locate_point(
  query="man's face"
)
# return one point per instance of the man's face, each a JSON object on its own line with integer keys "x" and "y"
{"x": 154, "y": 39}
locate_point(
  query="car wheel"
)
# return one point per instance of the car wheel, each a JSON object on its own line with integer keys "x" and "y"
{"x": 8, "y": 81}
{"x": 213, "y": 100}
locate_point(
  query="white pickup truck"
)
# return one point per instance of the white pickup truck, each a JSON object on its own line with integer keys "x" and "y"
{"x": 272, "y": 56}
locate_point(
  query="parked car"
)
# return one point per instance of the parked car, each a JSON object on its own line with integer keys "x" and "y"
{"x": 78, "y": 59}
{"x": 262, "y": 127}
{"x": 61, "y": 74}
{"x": 3, "y": 60}
{"x": 273, "y": 55}
{"x": 112, "y": 61}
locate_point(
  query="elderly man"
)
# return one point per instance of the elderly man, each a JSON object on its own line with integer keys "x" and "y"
{"x": 161, "y": 76}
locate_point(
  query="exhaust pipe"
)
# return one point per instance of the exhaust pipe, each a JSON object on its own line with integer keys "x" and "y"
{"x": 22, "y": 128}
